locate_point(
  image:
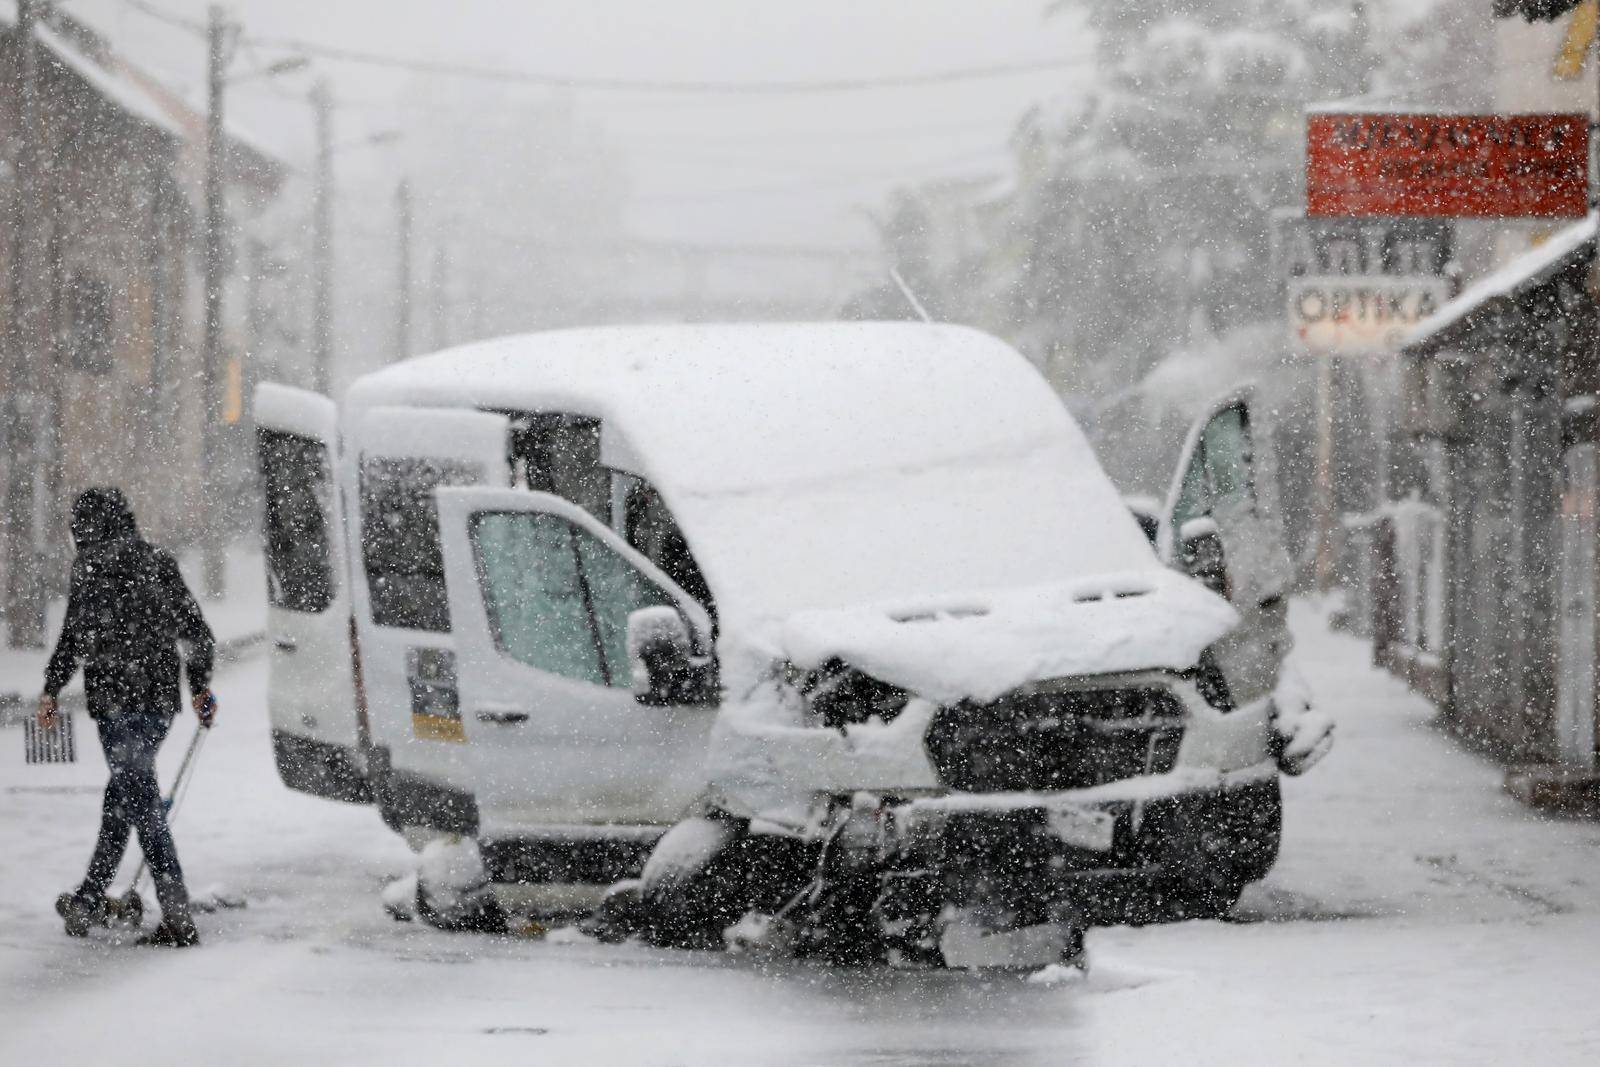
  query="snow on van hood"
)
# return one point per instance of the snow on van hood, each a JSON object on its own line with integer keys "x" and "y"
{"x": 980, "y": 647}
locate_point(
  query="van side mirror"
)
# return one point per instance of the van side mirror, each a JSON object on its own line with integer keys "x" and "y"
{"x": 1201, "y": 556}
{"x": 661, "y": 653}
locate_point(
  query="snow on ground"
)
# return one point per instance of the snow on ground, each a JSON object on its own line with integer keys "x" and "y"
{"x": 1418, "y": 916}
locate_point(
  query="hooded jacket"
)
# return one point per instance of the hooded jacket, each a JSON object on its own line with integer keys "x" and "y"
{"x": 127, "y": 610}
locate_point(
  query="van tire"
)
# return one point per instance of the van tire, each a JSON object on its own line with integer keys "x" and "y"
{"x": 688, "y": 890}
{"x": 708, "y": 871}
{"x": 1236, "y": 844}
{"x": 478, "y": 913}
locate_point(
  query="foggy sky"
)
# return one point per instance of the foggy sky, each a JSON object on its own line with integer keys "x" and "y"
{"x": 701, "y": 168}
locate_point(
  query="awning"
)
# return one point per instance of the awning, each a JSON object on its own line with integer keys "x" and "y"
{"x": 1489, "y": 295}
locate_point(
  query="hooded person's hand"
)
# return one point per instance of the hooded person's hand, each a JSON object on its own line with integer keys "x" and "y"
{"x": 47, "y": 711}
{"x": 205, "y": 708}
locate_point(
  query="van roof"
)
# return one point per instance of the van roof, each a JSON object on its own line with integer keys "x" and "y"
{"x": 608, "y": 365}
{"x": 817, "y": 465}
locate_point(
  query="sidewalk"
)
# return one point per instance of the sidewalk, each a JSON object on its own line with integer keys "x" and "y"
{"x": 238, "y": 620}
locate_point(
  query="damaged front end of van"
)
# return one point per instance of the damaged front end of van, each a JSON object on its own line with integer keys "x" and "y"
{"x": 973, "y": 784}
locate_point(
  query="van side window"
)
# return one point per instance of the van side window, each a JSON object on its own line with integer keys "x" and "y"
{"x": 557, "y": 598}
{"x": 528, "y": 570}
{"x": 1228, "y": 455}
{"x": 616, "y": 590}
{"x": 400, "y": 547}
{"x": 649, "y": 528}
{"x": 1220, "y": 468}
{"x": 560, "y": 454}
{"x": 296, "y": 480}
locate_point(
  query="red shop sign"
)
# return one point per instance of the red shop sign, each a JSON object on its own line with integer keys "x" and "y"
{"x": 1447, "y": 166}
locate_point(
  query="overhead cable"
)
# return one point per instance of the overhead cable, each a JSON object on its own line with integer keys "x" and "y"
{"x": 626, "y": 85}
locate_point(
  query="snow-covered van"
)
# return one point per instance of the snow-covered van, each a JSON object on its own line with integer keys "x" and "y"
{"x": 853, "y": 607}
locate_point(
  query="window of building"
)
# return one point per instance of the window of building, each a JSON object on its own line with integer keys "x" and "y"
{"x": 89, "y": 323}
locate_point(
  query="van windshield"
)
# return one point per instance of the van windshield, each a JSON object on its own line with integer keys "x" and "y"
{"x": 1048, "y": 515}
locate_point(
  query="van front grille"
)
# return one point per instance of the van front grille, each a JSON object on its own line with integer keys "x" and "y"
{"x": 1047, "y": 741}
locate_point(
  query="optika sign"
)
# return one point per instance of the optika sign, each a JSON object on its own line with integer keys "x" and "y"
{"x": 1447, "y": 166}
{"x": 1357, "y": 286}
{"x": 1352, "y": 318}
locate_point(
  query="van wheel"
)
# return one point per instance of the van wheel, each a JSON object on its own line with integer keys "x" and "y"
{"x": 689, "y": 888}
{"x": 453, "y": 888}
{"x": 708, "y": 871}
{"x": 1234, "y": 841}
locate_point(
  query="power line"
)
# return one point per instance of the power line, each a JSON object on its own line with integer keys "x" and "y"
{"x": 563, "y": 81}
{"x": 903, "y": 174}
{"x": 726, "y": 137}
{"x": 169, "y": 17}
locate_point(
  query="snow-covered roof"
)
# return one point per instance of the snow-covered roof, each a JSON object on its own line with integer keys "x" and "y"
{"x": 818, "y": 465}
{"x": 125, "y": 95}
{"x": 131, "y": 90}
{"x": 1531, "y": 269}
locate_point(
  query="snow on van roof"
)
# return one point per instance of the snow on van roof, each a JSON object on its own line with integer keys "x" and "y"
{"x": 818, "y": 465}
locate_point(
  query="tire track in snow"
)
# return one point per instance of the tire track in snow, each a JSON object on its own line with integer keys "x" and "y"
{"x": 1538, "y": 903}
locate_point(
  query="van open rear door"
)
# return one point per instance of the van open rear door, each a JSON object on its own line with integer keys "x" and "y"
{"x": 408, "y": 642}
{"x": 310, "y": 689}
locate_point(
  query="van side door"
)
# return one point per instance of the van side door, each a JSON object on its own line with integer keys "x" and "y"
{"x": 407, "y": 638}
{"x": 311, "y": 698}
{"x": 1222, "y": 523}
{"x": 542, "y": 594}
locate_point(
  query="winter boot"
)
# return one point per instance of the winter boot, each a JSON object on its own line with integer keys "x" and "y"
{"x": 81, "y": 912}
{"x": 177, "y": 925}
{"x": 176, "y": 931}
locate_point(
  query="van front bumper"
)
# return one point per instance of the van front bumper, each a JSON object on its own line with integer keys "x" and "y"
{"x": 1108, "y": 852}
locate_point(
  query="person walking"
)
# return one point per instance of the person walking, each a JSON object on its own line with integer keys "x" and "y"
{"x": 128, "y": 610}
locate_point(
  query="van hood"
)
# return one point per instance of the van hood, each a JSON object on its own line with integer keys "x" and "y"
{"x": 981, "y": 646}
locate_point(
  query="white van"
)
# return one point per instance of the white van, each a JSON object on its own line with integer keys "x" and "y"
{"x": 560, "y": 592}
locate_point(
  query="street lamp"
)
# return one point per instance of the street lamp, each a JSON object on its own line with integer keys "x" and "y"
{"x": 272, "y": 70}
{"x": 374, "y": 140}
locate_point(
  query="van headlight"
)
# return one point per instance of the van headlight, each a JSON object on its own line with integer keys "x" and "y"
{"x": 837, "y": 695}
{"x": 1211, "y": 683}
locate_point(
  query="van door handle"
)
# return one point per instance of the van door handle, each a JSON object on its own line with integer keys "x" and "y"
{"x": 283, "y": 644}
{"x": 502, "y": 716}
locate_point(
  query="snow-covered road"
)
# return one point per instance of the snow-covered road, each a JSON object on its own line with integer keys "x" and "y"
{"x": 1417, "y": 916}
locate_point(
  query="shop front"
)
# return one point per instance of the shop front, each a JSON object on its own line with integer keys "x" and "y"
{"x": 1501, "y": 441}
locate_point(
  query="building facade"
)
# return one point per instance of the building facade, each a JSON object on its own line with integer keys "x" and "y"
{"x": 114, "y": 354}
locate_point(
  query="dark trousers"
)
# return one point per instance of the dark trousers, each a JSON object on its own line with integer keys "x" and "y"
{"x": 133, "y": 804}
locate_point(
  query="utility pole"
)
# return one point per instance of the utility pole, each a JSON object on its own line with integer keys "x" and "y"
{"x": 255, "y": 316}
{"x": 476, "y": 308}
{"x": 441, "y": 298}
{"x": 322, "y": 243}
{"x": 27, "y": 336}
{"x": 213, "y": 559}
{"x": 402, "y": 340}
{"x": 1325, "y": 475}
